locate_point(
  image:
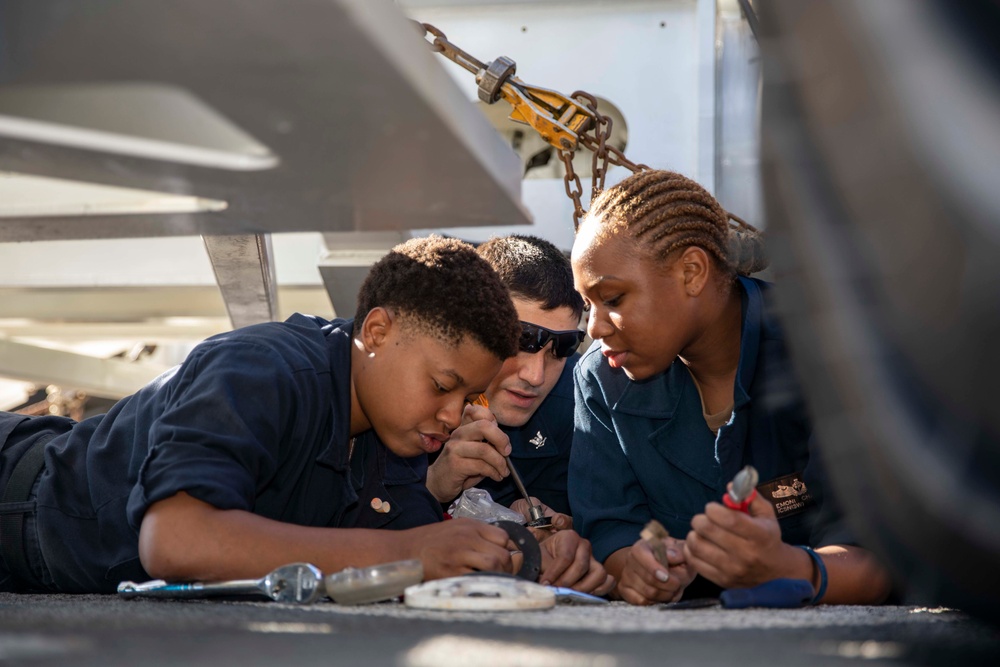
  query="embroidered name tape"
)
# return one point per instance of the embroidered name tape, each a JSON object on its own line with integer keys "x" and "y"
{"x": 789, "y": 495}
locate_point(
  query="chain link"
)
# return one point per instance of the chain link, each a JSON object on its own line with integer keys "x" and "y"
{"x": 602, "y": 131}
{"x": 595, "y": 139}
{"x": 574, "y": 189}
{"x": 440, "y": 44}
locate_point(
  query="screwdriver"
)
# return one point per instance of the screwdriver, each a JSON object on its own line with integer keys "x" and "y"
{"x": 538, "y": 518}
{"x": 301, "y": 583}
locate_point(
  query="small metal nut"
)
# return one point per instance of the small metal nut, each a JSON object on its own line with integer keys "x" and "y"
{"x": 493, "y": 77}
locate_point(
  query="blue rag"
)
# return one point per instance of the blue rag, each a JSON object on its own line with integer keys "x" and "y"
{"x": 777, "y": 593}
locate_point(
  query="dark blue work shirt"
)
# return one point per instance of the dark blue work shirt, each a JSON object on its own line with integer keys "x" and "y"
{"x": 643, "y": 450}
{"x": 256, "y": 419}
{"x": 540, "y": 449}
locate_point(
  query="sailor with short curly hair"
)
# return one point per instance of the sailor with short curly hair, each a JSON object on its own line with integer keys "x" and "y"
{"x": 270, "y": 445}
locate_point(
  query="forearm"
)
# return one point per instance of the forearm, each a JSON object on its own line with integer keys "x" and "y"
{"x": 854, "y": 576}
{"x": 183, "y": 538}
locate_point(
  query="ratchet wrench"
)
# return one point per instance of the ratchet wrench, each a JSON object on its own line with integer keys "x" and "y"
{"x": 301, "y": 583}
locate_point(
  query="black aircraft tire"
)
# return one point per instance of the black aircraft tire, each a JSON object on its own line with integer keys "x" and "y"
{"x": 884, "y": 230}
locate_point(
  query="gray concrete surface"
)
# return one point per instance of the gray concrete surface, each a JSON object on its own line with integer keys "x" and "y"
{"x": 102, "y": 630}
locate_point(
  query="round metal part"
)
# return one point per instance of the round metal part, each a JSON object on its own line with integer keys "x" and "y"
{"x": 374, "y": 583}
{"x": 493, "y": 77}
{"x": 531, "y": 552}
{"x": 480, "y": 593}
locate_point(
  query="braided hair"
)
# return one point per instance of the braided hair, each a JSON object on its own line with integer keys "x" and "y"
{"x": 665, "y": 211}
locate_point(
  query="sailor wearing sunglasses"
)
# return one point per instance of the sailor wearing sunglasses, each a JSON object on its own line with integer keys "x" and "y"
{"x": 530, "y": 413}
{"x": 532, "y": 395}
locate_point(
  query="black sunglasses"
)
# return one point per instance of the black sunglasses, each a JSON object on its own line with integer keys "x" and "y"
{"x": 534, "y": 338}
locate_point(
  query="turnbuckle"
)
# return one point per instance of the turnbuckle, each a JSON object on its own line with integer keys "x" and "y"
{"x": 560, "y": 120}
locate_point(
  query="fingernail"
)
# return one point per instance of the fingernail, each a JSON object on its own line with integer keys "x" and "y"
{"x": 672, "y": 553}
{"x": 546, "y": 582}
{"x": 662, "y": 576}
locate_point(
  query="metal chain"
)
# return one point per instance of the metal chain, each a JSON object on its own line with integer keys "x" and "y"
{"x": 440, "y": 44}
{"x": 574, "y": 189}
{"x": 602, "y": 131}
{"x": 594, "y": 138}
{"x": 604, "y": 153}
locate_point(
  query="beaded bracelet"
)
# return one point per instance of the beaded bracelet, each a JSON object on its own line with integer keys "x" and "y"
{"x": 821, "y": 567}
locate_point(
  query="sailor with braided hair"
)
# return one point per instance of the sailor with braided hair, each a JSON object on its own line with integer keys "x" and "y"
{"x": 275, "y": 443}
{"x": 688, "y": 381}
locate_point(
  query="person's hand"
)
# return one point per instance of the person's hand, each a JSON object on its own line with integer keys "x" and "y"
{"x": 567, "y": 561}
{"x": 559, "y": 521}
{"x": 645, "y": 581}
{"x": 459, "y": 546}
{"x": 475, "y": 450}
{"x": 738, "y": 550}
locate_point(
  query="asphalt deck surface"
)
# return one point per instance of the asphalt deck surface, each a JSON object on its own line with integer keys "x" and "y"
{"x": 105, "y": 630}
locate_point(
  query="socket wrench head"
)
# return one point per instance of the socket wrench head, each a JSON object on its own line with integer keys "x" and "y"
{"x": 299, "y": 583}
{"x": 538, "y": 518}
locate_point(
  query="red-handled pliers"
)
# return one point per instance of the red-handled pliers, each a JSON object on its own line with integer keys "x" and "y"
{"x": 743, "y": 490}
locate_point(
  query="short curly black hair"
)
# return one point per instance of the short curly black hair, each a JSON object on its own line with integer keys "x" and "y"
{"x": 446, "y": 286}
{"x": 533, "y": 269}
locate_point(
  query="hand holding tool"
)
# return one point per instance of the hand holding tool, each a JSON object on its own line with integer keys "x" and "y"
{"x": 538, "y": 518}
{"x": 300, "y": 583}
{"x": 653, "y": 534}
{"x": 743, "y": 490}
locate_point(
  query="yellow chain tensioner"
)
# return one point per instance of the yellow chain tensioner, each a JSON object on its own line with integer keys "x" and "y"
{"x": 564, "y": 122}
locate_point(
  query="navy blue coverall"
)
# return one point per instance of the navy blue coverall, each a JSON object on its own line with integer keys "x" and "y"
{"x": 642, "y": 450}
{"x": 256, "y": 419}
